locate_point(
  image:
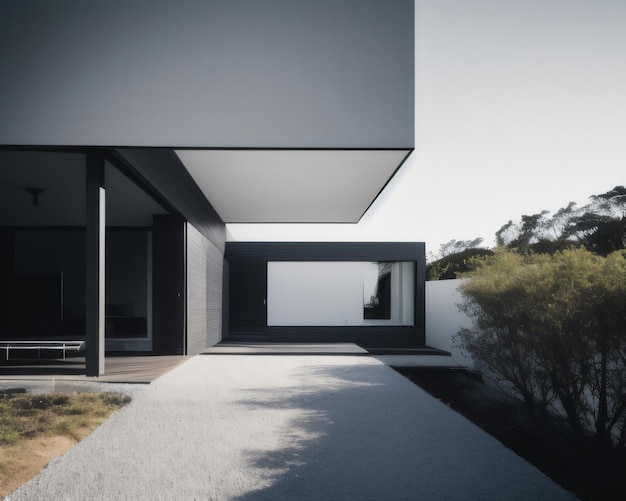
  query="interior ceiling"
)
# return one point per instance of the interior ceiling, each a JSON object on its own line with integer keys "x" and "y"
{"x": 61, "y": 176}
{"x": 291, "y": 186}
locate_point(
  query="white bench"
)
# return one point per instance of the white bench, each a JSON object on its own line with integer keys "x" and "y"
{"x": 39, "y": 346}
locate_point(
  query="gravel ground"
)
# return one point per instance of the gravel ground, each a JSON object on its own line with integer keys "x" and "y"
{"x": 284, "y": 428}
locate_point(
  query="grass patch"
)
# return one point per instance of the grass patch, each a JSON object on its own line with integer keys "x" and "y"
{"x": 28, "y": 416}
{"x": 30, "y": 423}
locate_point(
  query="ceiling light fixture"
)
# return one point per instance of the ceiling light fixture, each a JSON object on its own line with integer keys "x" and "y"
{"x": 35, "y": 192}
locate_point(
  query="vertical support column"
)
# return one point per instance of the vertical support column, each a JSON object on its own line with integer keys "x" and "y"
{"x": 7, "y": 274}
{"x": 94, "y": 290}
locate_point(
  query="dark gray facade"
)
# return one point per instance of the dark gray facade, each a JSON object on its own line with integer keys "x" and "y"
{"x": 163, "y": 259}
{"x": 233, "y": 79}
{"x": 204, "y": 292}
{"x": 204, "y": 240}
{"x": 247, "y": 264}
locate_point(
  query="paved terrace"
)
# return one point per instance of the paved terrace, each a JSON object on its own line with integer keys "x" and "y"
{"x": 285, "y": 427}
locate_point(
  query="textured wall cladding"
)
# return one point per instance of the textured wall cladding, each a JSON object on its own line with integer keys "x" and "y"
{"x": 204, "y": 292}
{"x": 161, "y": 169}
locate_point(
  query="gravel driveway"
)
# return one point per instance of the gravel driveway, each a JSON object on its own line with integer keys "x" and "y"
{"x": 281, "y": 427}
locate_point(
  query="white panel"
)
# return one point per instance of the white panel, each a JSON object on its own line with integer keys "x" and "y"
{"x": 315, "y": 293}
{"x": 307, "y": 186}
{"x": 406, "y": 272}
{"x": 331, "y": 294}
{"x": 101, "y": 279}
{"x": 444, "y": 319}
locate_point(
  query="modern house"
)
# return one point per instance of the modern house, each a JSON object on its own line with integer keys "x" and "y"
{"x": 132, "y": 133}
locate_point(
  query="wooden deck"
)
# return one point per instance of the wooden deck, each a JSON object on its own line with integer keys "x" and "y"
{"x": 139, "y": 369}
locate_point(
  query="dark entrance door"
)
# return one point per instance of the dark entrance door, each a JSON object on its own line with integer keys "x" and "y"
{"x": 168, "y": 285}
{"x": 247, "y": 297}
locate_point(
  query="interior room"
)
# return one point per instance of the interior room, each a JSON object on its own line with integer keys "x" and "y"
{"x": 42, "y": 251}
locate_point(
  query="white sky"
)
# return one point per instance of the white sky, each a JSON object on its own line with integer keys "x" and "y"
{"x": 520, "y": 107}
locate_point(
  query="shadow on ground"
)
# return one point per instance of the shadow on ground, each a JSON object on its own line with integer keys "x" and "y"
{"x": 355, "y": 439}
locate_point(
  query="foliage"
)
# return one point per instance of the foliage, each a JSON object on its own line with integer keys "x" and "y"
{"x": 454, "y": 257}
{"x": 457, "y": 246}
{"x": 554, "y": 328}
{"x": 599, "y": 226}
{"x": 451, "y": 266}
{"x": 24, "y": 415}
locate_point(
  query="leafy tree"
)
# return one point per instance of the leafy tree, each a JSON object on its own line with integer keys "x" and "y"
{"x": 456, "y": 257}
{"x": 558, "y": 226}
{"x": 497, "y": 299}
{"x": 600, "y": 226}
{"x": 530, "y": 230}
{"x": 553, "y": 328}
{"x": 457, "y": 246}
{"x": 612, "y": 202}
{"x": 506, "y": 234}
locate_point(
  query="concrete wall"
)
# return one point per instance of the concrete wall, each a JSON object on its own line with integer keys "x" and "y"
{"x": 214, "y": 73}
{"x": 204, "y": 292}
{"x": 443, "y": 318}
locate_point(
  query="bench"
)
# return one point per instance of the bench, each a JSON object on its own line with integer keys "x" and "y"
{"x": 31, "y": 346}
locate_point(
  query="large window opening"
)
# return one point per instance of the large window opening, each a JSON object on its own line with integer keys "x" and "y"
{"x": 341, "y": 293}
{"x": 130, "y": 215}
{"x": 42, "y": 251}
{"x": 128, "y": 288}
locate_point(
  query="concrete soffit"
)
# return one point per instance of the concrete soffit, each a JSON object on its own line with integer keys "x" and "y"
{"x": 292, "y": 185}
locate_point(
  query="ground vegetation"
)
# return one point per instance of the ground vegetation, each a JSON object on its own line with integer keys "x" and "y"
{"x": 35, "y": 428}
{"x": 550, "y": 329}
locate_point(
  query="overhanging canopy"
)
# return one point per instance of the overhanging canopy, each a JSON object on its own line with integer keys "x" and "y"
{"x": 291, "y": 185}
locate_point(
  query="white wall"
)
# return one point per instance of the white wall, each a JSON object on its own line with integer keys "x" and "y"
{"x": 443, "y": 318}
{"x": 331, "y": 294}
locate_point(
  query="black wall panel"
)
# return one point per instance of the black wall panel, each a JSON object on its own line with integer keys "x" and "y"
{"x": 325, "y": 251}
{"x": 240, "y": 254}
{"x": 248, "y": 294}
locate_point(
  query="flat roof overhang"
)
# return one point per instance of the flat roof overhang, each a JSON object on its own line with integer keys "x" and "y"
{"x": 292, "y": 185}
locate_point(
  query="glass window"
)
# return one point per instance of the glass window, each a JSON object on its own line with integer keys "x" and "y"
{"x": 340, "y": 293}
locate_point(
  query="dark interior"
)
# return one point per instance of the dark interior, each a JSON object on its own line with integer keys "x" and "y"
{"x": 42, "y": 251}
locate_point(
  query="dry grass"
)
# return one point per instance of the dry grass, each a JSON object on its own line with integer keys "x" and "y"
{"x": 37, "y": 428}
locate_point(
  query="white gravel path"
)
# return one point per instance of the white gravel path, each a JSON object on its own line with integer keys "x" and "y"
{"x": 287, "y": 428}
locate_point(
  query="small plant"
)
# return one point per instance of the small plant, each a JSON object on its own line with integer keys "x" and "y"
{"x": 61, "y": 400}
{"x": 27, "y": 419}
{"x": 24, "y": 415}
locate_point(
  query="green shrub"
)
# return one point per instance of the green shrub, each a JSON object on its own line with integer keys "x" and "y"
{"x": 554, "y": 328}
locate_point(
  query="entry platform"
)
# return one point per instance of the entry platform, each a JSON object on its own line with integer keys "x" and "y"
{"x": 263, "y": 348}
{"x": 395, "y": 357}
